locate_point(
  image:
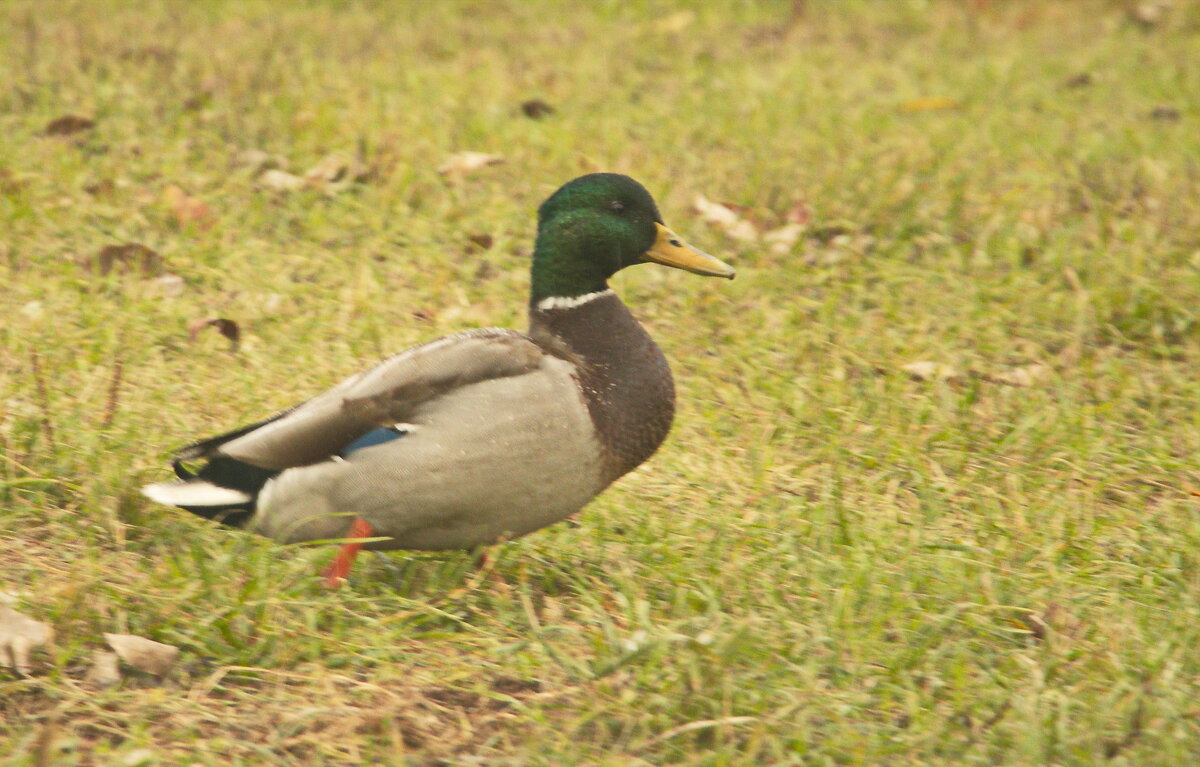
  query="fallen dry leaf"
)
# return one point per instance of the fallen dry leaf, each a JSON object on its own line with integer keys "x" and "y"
{"x": 780, "y": 241}
{"x": 724, "y": 217}
{"x": 336, "y": 172}
{"x": 1165, "y": 113}
{"x": 482, "y": 240}
{"x": 928, "y": 371}
{"x": 536, "y": 109}
{"x": 187, "y": 209}
{"x": 104, "y": 186}
{"x": 143, "y": 654}
{"x": 68, "y": 125}
{"x": 19, "y": 636}
{"x": 257, "y": 161}
{"x": 198, "y": 100}
{"x": 1081, "y": 80}
{"x": 799, "y": 213}
{"x": 1055, "y": 619}
{"x": 1148, "y": 15}
{"x": 281, "y": 181}
{"x": 225, "y": 327}
{"x": 104, "y": 671}
{"x": 126, "y": 258}
{"x": 1022, "y": 376}
{"x": 467, "y": 162}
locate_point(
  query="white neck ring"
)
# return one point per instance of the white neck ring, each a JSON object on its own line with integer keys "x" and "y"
{"x": 570, "y": 302}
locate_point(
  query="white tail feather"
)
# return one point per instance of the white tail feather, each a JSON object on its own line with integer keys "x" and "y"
{"x": 194, "y": 493}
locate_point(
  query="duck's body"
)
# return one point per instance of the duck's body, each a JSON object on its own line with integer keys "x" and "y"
{"x": 477, "y": 437}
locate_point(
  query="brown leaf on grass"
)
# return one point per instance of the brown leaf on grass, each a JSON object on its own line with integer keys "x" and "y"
{"x": 143, "y": 654}
{"x": 536, "y": 109}
{"x": 104, "y": 186}
{"x": 1148, "y": 15}
{"x": 780, "y": 241}
{"x": 930, "y": 371}
{"x": 725, "y": 217}
{"x": 257, "y": 161}
{"x": 336, "y": 172}
{"x": 1055, "y": 619}
{"x": 198, "y": 100}
{"x": 931, "y": 104}
{"x": 281, "y": 181}
{"x": 225, "y": 327}
{"x": 1027, "y": 375}
{"x": 464, "y": 163}
{"x": 187, "y": 209}
{"x": 125, "y": 259}
{"x": 1081, "y": 80}
{"x": 1165, "y": 113}
{"x": 19, "y": 636}
{"x": 104, "y": 671}
{"x": 68, "y": 125}
{"x": 799, "y": 213}
{"x": 482, "y": 240}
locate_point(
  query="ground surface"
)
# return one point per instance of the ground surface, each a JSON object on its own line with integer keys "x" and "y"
{"x": 990, "y": 558}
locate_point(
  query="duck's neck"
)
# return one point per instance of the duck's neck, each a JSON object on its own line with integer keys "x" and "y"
{"x": 589, "y": 326}
{"x": 622, "y": 373}
{"x": 559, "y": 271}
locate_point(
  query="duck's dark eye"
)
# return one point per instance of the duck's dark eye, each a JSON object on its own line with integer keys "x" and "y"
{"x": 617, "y": 205}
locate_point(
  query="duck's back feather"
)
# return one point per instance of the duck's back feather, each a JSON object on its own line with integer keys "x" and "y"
{"x": 361, "y": 412}
{"x": 382, "y": 397}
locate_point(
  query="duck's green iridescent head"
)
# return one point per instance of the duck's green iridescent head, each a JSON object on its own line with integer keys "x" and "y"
{"x": 598, "y": 224}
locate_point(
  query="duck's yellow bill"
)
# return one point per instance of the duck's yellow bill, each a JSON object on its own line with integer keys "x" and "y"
{"x": 669, "y": 249}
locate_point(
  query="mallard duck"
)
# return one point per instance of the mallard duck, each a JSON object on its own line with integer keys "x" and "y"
{"x": 477, "y": 437}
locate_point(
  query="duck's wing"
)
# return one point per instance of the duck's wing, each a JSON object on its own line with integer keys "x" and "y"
{"x": 383, "y": 396}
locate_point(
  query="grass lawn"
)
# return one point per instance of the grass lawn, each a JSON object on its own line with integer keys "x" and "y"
{"x": 838, "y": 558}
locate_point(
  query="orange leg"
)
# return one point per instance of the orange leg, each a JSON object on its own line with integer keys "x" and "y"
{"x": 340, "y": 567}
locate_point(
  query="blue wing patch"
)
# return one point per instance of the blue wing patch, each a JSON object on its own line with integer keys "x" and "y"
{"x": 373, "y": 438}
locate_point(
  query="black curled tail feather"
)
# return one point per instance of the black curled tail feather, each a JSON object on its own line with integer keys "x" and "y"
{"x": 232, "y": 474}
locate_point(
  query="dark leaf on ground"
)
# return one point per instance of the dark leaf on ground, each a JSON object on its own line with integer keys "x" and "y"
{"x": 125, "y": 259}
{"x": 482, "y": 240}
{"x": 224, "y": 326}
{"x": 68, "y": 125}
{"x": 536, "y": 109}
